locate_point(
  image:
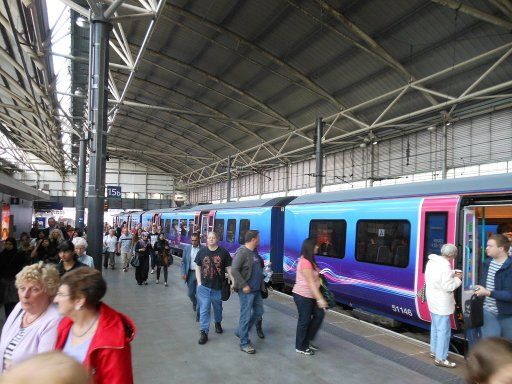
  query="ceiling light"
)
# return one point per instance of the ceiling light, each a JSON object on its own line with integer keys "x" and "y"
{"x": 375, "y": 142}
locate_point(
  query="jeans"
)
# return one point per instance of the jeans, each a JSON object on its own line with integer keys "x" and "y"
{"x": 207, "y": 297}
{"x": 192, "y": 288}
{"x": 251, "y": 310}
{"x": 158, "y": 273}
{"x": 309, "y": 322}
{"x": 152, "y": 257}
{"x": 497, "y": 326}
{"x": 440, "y": 333}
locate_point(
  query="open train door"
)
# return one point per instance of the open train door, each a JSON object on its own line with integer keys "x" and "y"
{"x": 470, "y": 254}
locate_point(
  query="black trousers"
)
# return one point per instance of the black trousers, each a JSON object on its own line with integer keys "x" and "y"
{"x": 142, "y": 271}
{"x": 309, "y": 322}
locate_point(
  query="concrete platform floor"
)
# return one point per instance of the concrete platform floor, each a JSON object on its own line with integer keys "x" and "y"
{"x": 166, "y": 349}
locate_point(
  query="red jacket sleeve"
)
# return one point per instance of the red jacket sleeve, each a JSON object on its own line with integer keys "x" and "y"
{"x": 112, "y": 366}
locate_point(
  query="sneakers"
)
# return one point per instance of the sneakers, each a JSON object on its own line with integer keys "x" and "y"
{"x": 152, "y": 271}
{"x": 307, "y": 351}
{"x": 158, "y": 281}
{"x": 432, "y": 355}
{"x": 248, "y": 349}
{"x": 313, "y": 347}
{"x": 125, "y": 269}
{"x": 165, "y": 283}
{"x": 445, "y": 363}
{"x": 203, "y": 338}
{"x": 146, "y": 282}
{"x": 218, "y": 328}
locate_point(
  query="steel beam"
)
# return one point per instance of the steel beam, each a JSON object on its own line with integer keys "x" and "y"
{"x": 319, "y": 155}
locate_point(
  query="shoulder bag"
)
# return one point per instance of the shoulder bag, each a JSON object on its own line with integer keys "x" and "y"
{"x": 474, "y": 312}
{"x": 135, "y": 261}
{"x": 226, "y": 288}
{"x": 326, "y": 293}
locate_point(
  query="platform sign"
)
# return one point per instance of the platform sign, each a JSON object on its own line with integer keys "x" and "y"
{"x": 113, "y": 192}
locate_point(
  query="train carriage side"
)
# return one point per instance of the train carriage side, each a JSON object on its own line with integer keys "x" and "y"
{"x": 367, "y": 251}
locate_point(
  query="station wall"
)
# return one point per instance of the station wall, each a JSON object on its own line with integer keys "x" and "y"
{"x": 485, "y": 139}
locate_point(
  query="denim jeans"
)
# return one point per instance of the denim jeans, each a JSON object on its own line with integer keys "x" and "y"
{"x": 207, "y": 297}
{"x": 251, "y": 310}
{"x": 497, "y": 326}
{"x": 309, "y": 322}
{"x": 440, "y": 333}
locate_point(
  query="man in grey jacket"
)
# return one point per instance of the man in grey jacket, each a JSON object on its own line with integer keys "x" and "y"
{"x": 247, "y": 272}
{"x": 188, "y": 270}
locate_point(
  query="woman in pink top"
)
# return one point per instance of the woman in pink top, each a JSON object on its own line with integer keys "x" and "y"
{"x": 308, "y": 298}
{"x": 31, "y": 328}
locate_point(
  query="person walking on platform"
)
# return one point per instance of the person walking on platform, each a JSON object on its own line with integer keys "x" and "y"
{"x": 213, "y": 262}
{"x": 125, "y": 247}
{"x": 153, "y": 238}
{"x": 441, "y": 281}
{"x": 188, "y": 269}
{"x": 142, "y": 250}
{"x": 247, "y": 271}
{"x": 110, "y": 246}
{"x": 308, "y": 298}
{"x": 163, "y": 257}
{"x": 496, "y": 287}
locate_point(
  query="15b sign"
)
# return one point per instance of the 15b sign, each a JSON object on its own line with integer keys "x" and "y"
{"x": 113, "y": 192}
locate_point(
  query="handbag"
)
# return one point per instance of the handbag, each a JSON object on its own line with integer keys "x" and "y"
{"x": 225, "y": 288}
{"x": 474, "y": 312}
{"x": 135, "y": 261}
{"x": 326, "y": 293}
{"x": 422, "y": 293}
{"x": 264, "y": 291}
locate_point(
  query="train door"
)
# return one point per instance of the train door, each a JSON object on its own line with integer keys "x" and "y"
{"x": 480, "y": 222}
{"x": 437, "y": 227}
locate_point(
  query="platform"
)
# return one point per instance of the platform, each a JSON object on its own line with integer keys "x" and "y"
{"x": 166, "y": 349}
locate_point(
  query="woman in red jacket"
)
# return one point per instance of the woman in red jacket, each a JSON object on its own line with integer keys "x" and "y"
{"x": 92, "y": 332}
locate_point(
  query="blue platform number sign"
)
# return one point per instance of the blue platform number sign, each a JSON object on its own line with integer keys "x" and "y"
{"x": 113, "y": 192}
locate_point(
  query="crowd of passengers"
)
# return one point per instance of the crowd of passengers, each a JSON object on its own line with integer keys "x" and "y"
{"x": 58, "y": 326}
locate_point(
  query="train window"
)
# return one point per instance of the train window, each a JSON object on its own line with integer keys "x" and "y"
{"x": 183, "y": 227}
{"x": 190, "y": 227}
{"x": 218, "y": 228}
{"x": 245, "y": 225}
{"x": 167, "y": 226}
{"x": 330, "y": 235}
{"x": 230, "y": 234}
{"x": 436, "y": 227}
{"x": 383, "y": 242}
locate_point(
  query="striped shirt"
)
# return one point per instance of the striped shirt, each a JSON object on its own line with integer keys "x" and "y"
{"x": 490, "y": 302}
{"x": 7, "y": 361}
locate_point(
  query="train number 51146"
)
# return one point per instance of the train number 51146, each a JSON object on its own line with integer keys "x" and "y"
{"x": 404, "y": 311}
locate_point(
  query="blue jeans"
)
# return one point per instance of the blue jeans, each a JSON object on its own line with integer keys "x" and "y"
{"x": 440, "y": 333}
{"x": 251, "y": 310}
{"x": 207, "y": 297}
{"x": 309, "y": 322}
{"x": 497, "y": 326}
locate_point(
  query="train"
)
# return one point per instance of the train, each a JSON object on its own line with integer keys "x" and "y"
{"x": 373, "y": 243}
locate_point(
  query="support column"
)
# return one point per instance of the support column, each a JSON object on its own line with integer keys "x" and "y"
{"x": 228, "y": 196}
{"x": 372, "y": 161}
{"x": 98, "y": 98}
{"x": 319, "y": 155}
{"x": 80, "y": 182}
{"x": 444, "y": 165}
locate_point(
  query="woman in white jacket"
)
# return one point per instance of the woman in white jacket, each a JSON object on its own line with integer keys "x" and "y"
{"x": 441, "y": 281}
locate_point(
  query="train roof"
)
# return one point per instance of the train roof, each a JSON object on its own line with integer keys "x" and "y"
{"x": 459, "y": 186}
{"x": 280, "y": 201}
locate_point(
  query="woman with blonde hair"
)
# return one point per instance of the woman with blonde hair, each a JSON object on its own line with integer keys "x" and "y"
{"x": 31, "y": 328}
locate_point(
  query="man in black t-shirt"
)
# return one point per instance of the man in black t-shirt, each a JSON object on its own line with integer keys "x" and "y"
{"x": 213, "y": 262}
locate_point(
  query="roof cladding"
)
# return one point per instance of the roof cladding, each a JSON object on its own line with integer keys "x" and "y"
{"x": 235, "y": 74}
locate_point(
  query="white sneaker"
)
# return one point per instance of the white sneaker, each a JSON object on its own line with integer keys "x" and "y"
{"x": 157, "y": 282}
{"x": 152, "y": 271}
{"x": 307, "y": 351}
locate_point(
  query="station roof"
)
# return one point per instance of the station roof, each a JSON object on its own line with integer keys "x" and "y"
{"x": 192, "y": 82}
